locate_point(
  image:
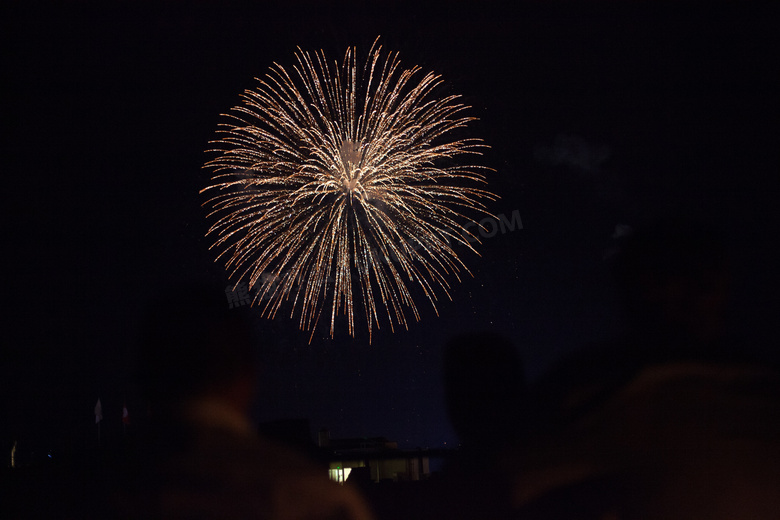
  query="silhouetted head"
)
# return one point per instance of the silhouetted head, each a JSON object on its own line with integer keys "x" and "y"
{"x": 672, "y": 275}
{"x": 193, "y": 346}
{"x": 485, "y": 387}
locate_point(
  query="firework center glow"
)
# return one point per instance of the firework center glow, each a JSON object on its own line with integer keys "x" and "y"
{"x": 351, "y": 155}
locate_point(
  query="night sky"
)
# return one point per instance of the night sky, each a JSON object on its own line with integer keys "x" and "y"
{"x": 597, "y": 115}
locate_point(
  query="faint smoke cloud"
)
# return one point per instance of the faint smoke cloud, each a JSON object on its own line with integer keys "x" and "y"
{"x": 573, "y": 151}
{"x": 621, "y": 232}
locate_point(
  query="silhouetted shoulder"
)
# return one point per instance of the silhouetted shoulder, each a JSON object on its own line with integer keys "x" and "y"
{"x": 683, "y": 439}
{"x": 212, "y": 472}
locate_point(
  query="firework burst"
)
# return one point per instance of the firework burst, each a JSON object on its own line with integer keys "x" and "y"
{"x": 337, "y": 189}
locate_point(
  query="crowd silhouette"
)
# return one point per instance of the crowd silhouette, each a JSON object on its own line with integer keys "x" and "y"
{"x": 675, "y": 418}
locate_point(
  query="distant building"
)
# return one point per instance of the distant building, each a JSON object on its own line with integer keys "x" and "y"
{"x": 378, "y": 458}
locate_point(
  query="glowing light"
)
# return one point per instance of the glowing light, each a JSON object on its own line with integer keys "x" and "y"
{"x": 337, "y": 186}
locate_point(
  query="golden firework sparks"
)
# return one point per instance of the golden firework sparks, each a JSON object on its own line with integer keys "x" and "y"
{"x": 337, "y": 187}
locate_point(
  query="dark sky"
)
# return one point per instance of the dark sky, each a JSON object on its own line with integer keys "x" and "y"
{"x": 597, "y": 114}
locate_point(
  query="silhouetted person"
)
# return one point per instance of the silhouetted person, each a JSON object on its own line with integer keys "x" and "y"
{"x": 671, "y": 421}
{"x": 673, "y": 279}
{"x": 485, "y": 393}
{"x": 204, "y": 459}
